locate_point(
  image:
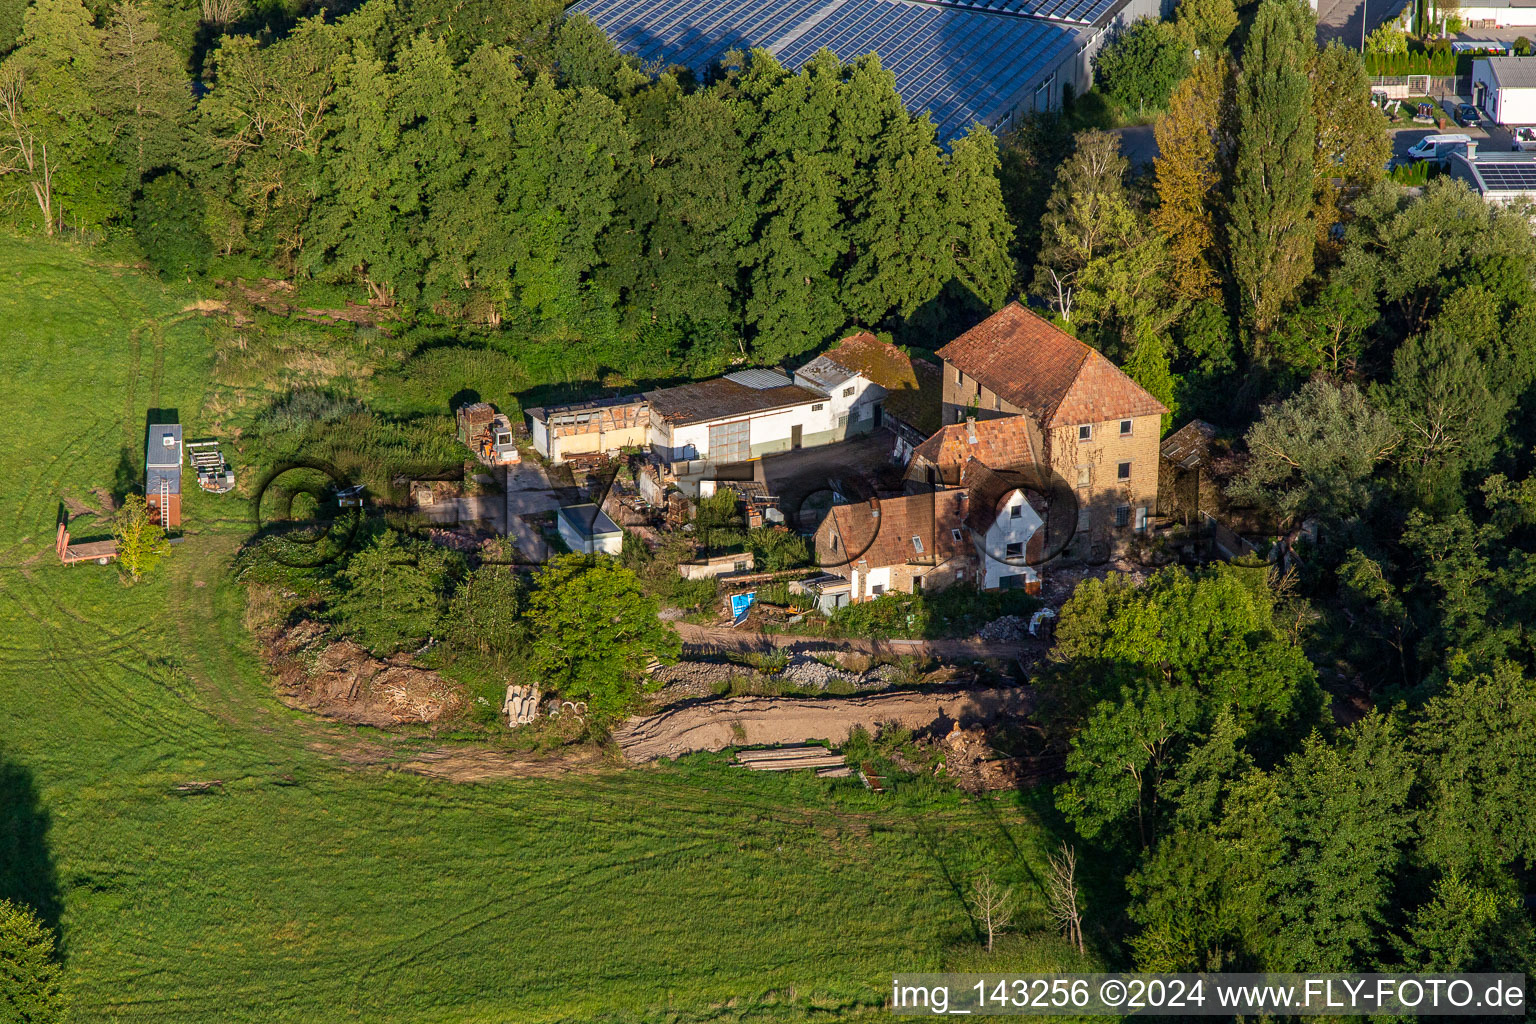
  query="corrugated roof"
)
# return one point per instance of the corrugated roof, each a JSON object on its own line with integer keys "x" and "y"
{"x": 762, "y": 380}
{"x": 722, "y": 399}
{"x": 1037, "y": 366}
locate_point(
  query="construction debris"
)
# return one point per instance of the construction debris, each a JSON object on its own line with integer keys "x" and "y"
{"x": 488, "y": 434}
{"x": 522, "y": 704}
{"x": 213, "y": 472}
{"x": 827, "y": 763}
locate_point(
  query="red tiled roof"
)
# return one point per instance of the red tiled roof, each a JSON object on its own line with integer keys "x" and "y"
{"x": 886, "y": 539}
{"x": 989, "y": 491}
{"x": 914, "y": 387}
{"x": 1038, "y": 367}
{"x": 1001, "y": 443}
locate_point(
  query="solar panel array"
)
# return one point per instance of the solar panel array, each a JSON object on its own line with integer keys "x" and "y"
{"x": 961, "y": 61}
{"x": 1508, "y": 177}
{"x": 694, "y": 33}
{"x": 959, "y": 66}
{"x": 1084, "y": 11}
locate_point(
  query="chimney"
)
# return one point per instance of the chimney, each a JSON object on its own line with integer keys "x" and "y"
{"x": 874, "y": 508}
{"x": 1471, "y": 150}
{"x": 970, "y": 428}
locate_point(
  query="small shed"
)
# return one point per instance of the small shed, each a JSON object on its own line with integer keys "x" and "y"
{"x": 162, "y": 473}
{"x": 1506, "y": 88}
{"x": 587, "y": 529}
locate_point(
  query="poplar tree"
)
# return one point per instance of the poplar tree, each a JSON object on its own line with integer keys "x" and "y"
{"x": 144, "y": 90}
{"x": 1270, "y": 223}
{"x": 1188, "y": 177}
{"x": 976, "y": 218}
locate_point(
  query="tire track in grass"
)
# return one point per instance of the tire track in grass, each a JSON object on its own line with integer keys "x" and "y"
{"x": 471, "y": 919}
{"x": 47, "y": 479}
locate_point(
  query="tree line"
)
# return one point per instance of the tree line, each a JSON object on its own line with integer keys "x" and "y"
{"x": 486, "y": 164}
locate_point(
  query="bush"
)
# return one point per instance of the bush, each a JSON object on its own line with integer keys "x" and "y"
{"x": 1523, "y": 46}
{"x": 775, "y": 548}
{"x": 1141, "y": 67}
{"x": 168, "y": 223}
{"x": 304, "y": 406}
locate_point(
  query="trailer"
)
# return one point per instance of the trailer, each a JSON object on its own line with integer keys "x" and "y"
{"x": 213, "y": 472}
{"x": 488, "y": 434}
{"x": 99, "y": 551}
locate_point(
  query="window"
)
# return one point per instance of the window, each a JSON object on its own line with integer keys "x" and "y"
{"x": 917, "y": 584}
{"x": 1016, "y": 511}
{"x": 877, "y": 589}
{"x": 834, "y": 542}
{"x": 1123, "y": 471}
{"x": 1085, "y": 432}
{"x": 1141, "y": 518}
{"x": 959, "y": 376}
{"x": 917, "y": 544}
{"x": 1125, "y": 428}
{"x": 955, "y": 533}
{"x": 739, "y": 567}
{"x": 848, "y": 391}
{"x": 959, "y": 574}
{"x": 1084, "y": 476}
{"x": 1015, "y": 550}
{"x": 997, "y": 403}
{"x": 1123, "y": 516}
{"x": 818, "y": 407}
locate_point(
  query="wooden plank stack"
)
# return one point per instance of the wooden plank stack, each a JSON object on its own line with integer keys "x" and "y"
{"x": 828, "y": 764}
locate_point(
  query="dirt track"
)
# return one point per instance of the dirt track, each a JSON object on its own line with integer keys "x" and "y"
{"x": 750, "y": 721}
{"x": 705, "y": 637}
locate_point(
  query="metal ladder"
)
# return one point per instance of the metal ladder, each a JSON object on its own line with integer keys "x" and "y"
{"x": 165, "y": 503}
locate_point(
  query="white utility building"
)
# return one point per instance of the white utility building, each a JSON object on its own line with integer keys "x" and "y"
{"x": 1506, "y": 88}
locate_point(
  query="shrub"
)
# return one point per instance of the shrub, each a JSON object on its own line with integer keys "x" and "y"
{"x": 1523, "y": 46}
{"x": 168, "y": 223}
{"x": 775, "y": 548}
{"x": 1141, "y": 66}
{"x": 304, "y": 406}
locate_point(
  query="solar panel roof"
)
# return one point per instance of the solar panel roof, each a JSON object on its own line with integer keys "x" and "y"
{"x": 959, "y": 61}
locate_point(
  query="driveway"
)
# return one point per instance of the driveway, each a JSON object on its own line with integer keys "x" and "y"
{"x": 1341, "y": 19}
{"x": 529, "y": 493}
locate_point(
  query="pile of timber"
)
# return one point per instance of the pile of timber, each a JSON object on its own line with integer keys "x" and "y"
{"x": 829, "y": 764}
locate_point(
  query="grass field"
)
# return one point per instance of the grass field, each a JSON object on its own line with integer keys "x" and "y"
{"x": 317, "y": 884}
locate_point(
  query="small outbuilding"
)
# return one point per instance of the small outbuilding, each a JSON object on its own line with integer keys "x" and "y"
{"x": 1506, "y": 88}
{"x": 586, "y": 529}
{"x": 162, "y": 473}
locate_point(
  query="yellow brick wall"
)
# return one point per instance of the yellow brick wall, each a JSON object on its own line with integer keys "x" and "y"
{"x": 1102, "y": 455}
{"x": 958, "y": 396}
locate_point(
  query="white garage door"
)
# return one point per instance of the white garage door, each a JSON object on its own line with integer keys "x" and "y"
{"x": 728, "y": 442}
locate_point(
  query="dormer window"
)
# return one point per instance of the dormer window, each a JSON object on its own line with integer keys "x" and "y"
{"x": 1085, "y": 432}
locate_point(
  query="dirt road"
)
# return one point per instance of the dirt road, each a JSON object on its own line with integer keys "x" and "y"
{"x": 724, "y": 638}
{"x": 751, "y": 721}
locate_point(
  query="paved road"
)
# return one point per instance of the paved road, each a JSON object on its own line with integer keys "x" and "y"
{"x": 1340, "y": 19}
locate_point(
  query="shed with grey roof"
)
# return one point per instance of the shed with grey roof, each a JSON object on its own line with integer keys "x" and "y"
{"x": 1505, "y": 87}
{"x": 162, "y": 473}
{"x": 587, "y": 529}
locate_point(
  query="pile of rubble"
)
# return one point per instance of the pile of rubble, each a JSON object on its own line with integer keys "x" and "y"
{"x": 1010, "y": 629}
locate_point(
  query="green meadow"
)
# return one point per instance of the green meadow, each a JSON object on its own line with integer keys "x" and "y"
{"x": 208, "y": 854}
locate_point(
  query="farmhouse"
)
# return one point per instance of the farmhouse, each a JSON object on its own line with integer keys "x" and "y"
{"x": 1082, "y": 423}
{"x": 986, "y": 532}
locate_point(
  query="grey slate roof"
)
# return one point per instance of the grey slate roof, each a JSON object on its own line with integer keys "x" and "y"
{"x": 589, "y": 520}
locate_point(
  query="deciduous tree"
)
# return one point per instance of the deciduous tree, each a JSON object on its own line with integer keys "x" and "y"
{"x": 141, "y": 542}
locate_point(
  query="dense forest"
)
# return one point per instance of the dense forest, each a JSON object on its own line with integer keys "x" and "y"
{"x": 485, "y": 161}
{"x": 1328, "y": 771}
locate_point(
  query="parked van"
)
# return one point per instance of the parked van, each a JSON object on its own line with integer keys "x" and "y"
{"x": 1439, "y": 147}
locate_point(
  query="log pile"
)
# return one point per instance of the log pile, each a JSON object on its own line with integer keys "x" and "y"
{"x": 828, "y": 764}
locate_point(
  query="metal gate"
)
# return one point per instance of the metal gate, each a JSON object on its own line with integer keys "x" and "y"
{"x": 728, "y": 442}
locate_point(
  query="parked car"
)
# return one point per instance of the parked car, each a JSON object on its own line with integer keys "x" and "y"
{"x": 1468, "y": 116}
{"x": 1525, "y": 140}
{"x": 1439, "y": 147}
